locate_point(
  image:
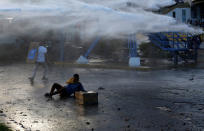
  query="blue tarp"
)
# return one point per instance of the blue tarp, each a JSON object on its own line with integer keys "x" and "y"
{"x": 32, "y": 54}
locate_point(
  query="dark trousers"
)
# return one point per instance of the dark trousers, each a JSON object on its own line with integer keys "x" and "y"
{"x": 37, "y": 64}
{"x": 58, "y": 89}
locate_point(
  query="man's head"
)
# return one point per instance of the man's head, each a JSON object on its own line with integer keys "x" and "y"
{"x": 76, "y": 77}
{"x": 41, "y": 43}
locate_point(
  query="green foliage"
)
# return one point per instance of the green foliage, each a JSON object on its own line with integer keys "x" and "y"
{"x": 106, "y": 48}
{"x": 149, "y": 50}
{"x": 4, "y": 127}
{"x": 12, "y": 52}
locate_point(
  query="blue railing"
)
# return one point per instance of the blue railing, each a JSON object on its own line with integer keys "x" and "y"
{"x": 178, "y": 44}
{"x": 170, "y": 41}
{"x": 132, "y": 46}
{"x": 95, "y": 42}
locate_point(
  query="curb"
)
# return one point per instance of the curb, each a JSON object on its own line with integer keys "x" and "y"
{"x": 141, "y": 68}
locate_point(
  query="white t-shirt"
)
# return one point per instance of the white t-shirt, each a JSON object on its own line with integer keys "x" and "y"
{"x": 41, "y": 54}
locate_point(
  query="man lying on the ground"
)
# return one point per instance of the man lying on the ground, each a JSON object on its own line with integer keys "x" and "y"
{"x": 72, "y": 86}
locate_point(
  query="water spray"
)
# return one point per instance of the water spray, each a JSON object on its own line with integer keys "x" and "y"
{"x": 83, "y": 59}
{"x": 109, "y": 19}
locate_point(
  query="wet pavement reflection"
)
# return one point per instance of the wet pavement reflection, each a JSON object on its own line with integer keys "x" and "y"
{"x": 128, "y": 100}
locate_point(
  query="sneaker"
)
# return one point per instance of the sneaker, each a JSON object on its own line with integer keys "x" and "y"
{"x": 31, "y": 79}
{"x": 48, "y": 95}
{"x": 44, "y": 78}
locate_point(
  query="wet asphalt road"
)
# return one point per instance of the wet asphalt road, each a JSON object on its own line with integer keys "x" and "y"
{"x": 128, "y": 101}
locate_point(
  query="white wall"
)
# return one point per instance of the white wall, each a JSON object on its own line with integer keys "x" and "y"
{"x": 179, "y": 16}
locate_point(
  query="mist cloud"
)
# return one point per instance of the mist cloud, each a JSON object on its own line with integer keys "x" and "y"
{"x": 107, "y": 18}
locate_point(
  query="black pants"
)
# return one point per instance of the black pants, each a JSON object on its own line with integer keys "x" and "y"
{"x": 61, "y": 90}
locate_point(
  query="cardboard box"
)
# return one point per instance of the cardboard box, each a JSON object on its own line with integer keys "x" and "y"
{"x": 86, "y": 98}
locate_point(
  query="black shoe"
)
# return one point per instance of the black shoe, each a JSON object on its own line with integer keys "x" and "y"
{"x": 31, "y": 79}
{"x": 48, "y": 95}
{"x": 44, "y": 78}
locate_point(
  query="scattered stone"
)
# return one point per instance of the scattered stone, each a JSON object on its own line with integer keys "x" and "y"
{"x": 88, "y": 123}
{"x": 4, "y": 115}
{"x": 101, "y": 88}
{"x": 187, "y": 129}
{"x": 191, "y": 79}
{"x": 188, "y": 119}
{"x": 35, "y": 121}
{"x": 21, "y": 125}
{"x": 164, "y": 108}
{"x": 8, "y": 102}
{"x": 24, "y": 115}
{"x": 182, "y": 114}
{"x": 1, "y": 111}
{"x": 126, "y": 119}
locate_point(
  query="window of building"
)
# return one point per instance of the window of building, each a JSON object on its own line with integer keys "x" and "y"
{"x": 183, "y": 15}
{"x": 174, "y": 14}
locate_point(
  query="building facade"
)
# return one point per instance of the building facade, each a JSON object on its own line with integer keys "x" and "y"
{"x": 182, "y": 14}
{"x": 187, "y": 13}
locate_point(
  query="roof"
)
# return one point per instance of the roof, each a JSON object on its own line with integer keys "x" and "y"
{"x": 167, "y": 9}
{"x": 180, "y": 4}
{"x": 198, "y": 1}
